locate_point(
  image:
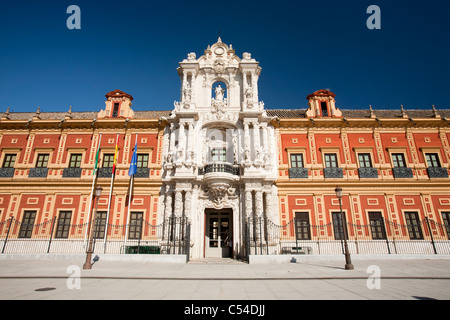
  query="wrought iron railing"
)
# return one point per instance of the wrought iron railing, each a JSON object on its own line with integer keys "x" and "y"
{"x": 172, "y": 236}
{"x": 263, "y": 237}
{"x": 368, "y": 172}
{"x": 7, "y": 172}
{"x": 142, "y": 173}
{"x": 298, "y": 173}
{"x": 38, "y": 173}
{"x": 437, "y": 172}
{"x": 72, "y": 173}
{"x": 402, "y": 172}
{"x": 333, "y": 173}
{"x": 104, "y": 173}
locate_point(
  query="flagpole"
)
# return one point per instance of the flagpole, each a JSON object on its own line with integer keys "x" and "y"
{"x": 92, "y": 190}
{"x": 129, "y": 197}
{"x": 128, "y": 214}
{"x": 110, "y": 191}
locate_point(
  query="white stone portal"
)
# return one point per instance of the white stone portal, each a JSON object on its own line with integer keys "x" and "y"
{"x": 219, "y": 162}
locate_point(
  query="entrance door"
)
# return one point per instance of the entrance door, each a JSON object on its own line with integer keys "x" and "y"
{"x": 218, "y": 235}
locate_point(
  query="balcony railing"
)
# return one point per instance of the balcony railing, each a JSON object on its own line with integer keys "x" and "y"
{"x": 368, "y": 172}
{"x": 104, "y": 172}
{"x": 333, "y": 173}
{"x": 298, "y": 173}
{"x": 437, "y": 172}
{"x": 402, "y": 172}
{"x": 38, "y": 173}
{"x": 7, "y": 172}
{"x": 142, "y": 173}
{"x": 219, "y": 167}
{"x": 72, "y": 173}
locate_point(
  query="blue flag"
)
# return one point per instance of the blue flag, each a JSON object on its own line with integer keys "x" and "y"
{"x": 133, "y": 164}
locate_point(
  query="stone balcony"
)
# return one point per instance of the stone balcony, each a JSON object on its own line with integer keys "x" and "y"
{"x": 219, "y": 168}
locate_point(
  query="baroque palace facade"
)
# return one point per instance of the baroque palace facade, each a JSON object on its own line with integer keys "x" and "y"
{"x": 219, "y": 159}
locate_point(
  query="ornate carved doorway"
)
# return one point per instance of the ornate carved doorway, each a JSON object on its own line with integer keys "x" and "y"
{"x": 218, "y": 234}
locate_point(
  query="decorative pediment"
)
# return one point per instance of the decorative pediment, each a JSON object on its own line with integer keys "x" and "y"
{"x": 321, "y": 93}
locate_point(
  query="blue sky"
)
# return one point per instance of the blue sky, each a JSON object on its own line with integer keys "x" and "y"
{"x": 302, "y": 46}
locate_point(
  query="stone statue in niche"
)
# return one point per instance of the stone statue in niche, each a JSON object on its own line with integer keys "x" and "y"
{"x": 187, "y": 92}
{"x": 219, "y": 93}
{"x": 248, "y": 93}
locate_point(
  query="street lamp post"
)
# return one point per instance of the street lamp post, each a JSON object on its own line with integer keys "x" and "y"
{"x": 88, "y": 263}
{"x": 348, "y": 260}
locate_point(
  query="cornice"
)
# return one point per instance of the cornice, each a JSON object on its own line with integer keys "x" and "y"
{"x": 343, "y": 123}
{"x": 83, "y": 124}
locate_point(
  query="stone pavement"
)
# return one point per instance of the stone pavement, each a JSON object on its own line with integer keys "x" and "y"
{"x": 225, "y": 279}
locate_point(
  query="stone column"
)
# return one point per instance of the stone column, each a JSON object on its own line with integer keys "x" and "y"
{"x": 190, "y": 135}
{"x": 256, "y": 143}
{"x": 259, "y": 214}
{"x": 188, "y": 203}
{"x": 168, "y": 203}
{"x": 181, "y": 144}
{"x": 246, "y": 142}
{"x": 183, "y": 85}
{"x": 193, "y": 74}
{"x": 178, "y": 204}
{"x": 172, "y": 138}
{"x": 248, "y": 204}
{"x": 268, "y": 208}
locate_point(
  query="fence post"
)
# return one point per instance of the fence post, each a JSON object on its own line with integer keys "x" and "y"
{"x": 431, "y": 235}
{"x": 7, "y": 234}
{"x": 51, "y": 234}
{"x": 188, "y": 241}
{"x": 386, "y": 235}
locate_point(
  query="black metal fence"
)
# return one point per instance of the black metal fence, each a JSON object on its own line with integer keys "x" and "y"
{"x": 172, "y": 236}
{"x": 263, "y": 237}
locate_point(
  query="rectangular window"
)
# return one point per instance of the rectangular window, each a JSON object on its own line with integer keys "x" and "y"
{"x": 364, "y": 160}
{"x": 142, "y": 160}
{"x": 331, "y": 160}
{"x": 297, "y": 160}
{"x": 323, "y": 106}
{"x": 9, "y": 161}
{"x": 100, "y": 224}
{"x": 108, "y": 160}
{"x": 26, "y": 227}
{"x": 218, "y": 155}
{"x": 302, "y": 231}
{"x": 433, "y": 160}
{"x": 398, "y": 160}
{"x": 446, "y": 220}
{"x": 115, "y": 110}
{"x": 42, "y": 160}
{"x": 413, "y": 224}
{"x": 377, "y": 226}
{"x": 135, "y": 225}
{"x": 75, "y": 161}
{"x": 62, "y": 229}
{"x": 337, "y": 225}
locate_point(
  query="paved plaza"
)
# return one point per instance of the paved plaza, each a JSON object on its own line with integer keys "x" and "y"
{"x": 225, "y": 279}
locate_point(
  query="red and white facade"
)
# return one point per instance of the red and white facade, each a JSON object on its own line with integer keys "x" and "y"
{"x": 220, "y": 158}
